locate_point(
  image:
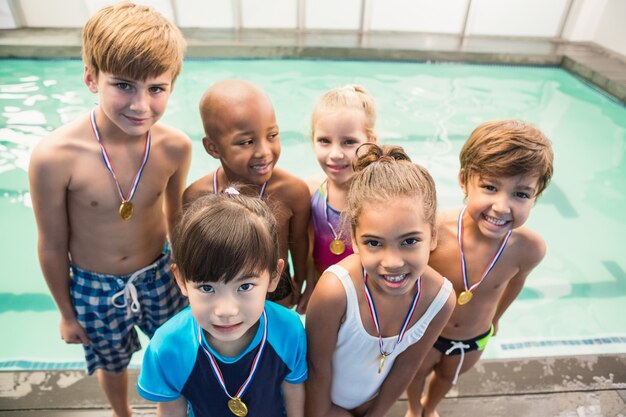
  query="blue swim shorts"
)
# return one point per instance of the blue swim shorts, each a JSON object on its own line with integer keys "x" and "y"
{"x": 109, "y": 307}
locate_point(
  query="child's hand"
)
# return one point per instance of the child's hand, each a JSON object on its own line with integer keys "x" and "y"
{"x": 73, "y": 332}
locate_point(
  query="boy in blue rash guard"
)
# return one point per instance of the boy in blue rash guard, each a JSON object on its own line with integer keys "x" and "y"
{"x": 231, "y": 352}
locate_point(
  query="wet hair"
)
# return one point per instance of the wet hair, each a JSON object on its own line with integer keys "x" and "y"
{"x": 347, "y": 97}
{"x": 222, "y": 235}
{"x": 132, "y": 41}
{"x": 507, "y": 148}
{"x": 384, "y": 173}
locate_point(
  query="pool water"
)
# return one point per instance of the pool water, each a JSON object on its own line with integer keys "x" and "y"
{"x": 573, "y": 303}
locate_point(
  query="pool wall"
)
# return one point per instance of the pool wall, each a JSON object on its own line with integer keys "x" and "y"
{"x": 598, "y": 21}
{"x": 587, "y": 37}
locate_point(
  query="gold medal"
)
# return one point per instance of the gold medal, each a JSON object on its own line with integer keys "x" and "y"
{"x": 237, "y": 407}
{"x": 382, "y": 362}
{"x": 337, "y": 247}
{"x": 126, "y": 210}
{"x": 465, "y": 297}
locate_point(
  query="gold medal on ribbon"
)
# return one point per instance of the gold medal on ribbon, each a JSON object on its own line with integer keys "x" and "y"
{"x": 465, "y": 297}
{"x": 337, "y": 247}
{"x": 237, "y": 407}
{"x": 126, "y": 210}
{"x": 382, "y": 362}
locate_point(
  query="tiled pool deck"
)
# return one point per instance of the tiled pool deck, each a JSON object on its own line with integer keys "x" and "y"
{"x": 560, "y": 386}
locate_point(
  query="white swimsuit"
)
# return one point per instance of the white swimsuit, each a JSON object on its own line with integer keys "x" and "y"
{"x": 356, "y": 359}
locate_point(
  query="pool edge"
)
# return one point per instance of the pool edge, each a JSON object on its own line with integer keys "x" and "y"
{"x": 602, "y": 68}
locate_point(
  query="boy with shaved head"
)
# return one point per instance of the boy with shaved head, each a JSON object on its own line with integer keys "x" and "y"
{"x": 241, "y": 131}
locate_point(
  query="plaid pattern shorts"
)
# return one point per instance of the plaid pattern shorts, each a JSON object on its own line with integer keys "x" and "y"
{"x": 109, "y": 307}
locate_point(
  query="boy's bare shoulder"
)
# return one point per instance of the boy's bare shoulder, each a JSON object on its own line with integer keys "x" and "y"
{"x": 288, "y": 187}
{"x": 198, "y": 188}
{"x": 174, "y": 141}
{"x": 448, "y": 217}
{"x": 63, "y": 144}
{"x": 528, "y": 246}
{"x": 446, "y": 225}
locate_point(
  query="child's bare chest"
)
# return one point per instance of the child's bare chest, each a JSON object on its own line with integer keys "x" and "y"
{"x": 129, "y": 176}
{"x": 485, "y": 271}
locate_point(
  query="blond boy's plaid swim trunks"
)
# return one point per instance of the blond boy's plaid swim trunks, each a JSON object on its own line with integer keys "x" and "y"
{"x": 109, "y": 307}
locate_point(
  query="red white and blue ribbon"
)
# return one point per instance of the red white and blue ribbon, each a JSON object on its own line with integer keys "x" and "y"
{"x": 215, "y": 185}
{"x": 374, "y": 314}
{"x": 464, "y": 263}
{"x": 253, "y": 367}
{"x": 107, "y": 161}
{"x": 330, "y": 226}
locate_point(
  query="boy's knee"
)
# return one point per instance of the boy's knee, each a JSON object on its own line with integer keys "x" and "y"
{"x": 422, "y": 373}
{"x": 447, "y": 373}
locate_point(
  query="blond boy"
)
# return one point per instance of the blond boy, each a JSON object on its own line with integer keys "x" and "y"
{"x": 106, "y": 189}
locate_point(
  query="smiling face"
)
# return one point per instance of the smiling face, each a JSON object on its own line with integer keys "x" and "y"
{"x": 242, "y": 132}
{"x": 497, "y": 205}
{"x": 336, "y": 136}
{"x": 229, "y": 311}
{"x": 394, "y": 242}
{"x": 129, "y": 106}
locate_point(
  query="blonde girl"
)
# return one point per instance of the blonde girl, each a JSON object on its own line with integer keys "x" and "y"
{"x": 343, "y": 119}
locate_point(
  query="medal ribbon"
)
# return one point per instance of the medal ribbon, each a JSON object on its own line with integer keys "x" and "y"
{"x": 253, "y": 368}
{"x": 374, "y": 314}
{"x": 215, "y": 185}
{"x": 464, "y": 264}
{"x": 107, "y": 161}
{"x": 330, "y": 226}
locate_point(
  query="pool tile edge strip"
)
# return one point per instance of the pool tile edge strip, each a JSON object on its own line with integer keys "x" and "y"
{"x": 608, "y": 340}
{"x": 28, "y": 365}
{"x": 510, "y": 346}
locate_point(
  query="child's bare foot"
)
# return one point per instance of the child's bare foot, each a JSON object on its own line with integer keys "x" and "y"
{"x": 129, "y": 412}
{"x": 415, "y": 412}
{"x": 432, "y": 413}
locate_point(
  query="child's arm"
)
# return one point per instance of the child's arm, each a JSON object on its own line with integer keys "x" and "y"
{"x": 311, "y": 275}
{"x": 294, "y": 399}
{"x": 173, "y": 204}
{"x": 176, "y": 408}
{"x": 299, "y": 238}
{"x": 198, "y": 188}
{"x": 531, "y": 254}
{"x": 49, "y": 175}
{"x": 408, "y": 362}
{"x": 324, "y": 315}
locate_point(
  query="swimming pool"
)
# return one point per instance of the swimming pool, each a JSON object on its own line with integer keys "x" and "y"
{"x": 572, "y": 301}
